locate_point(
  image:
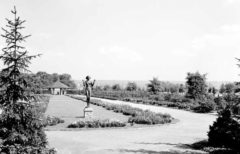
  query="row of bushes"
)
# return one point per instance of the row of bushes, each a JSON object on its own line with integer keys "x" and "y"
{"x": 97, "y": 124}
{"x": 138, "y": 116}
{"x": 150, "y": 118}
{"x": 51, "y": 121}
{"x": 19, "y": 149}
{"x": 174, "y": 100}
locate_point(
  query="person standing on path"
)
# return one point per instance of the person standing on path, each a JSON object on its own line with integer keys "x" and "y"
{"x": 88, "y": 86}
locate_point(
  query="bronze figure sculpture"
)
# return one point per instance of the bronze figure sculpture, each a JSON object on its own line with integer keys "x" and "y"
{"x": 88, "y": 86}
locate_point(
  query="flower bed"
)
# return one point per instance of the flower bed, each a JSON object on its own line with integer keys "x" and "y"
{"x": 97, "y": 124}
{"x": 138, "y": 116}
{"x": 150, "y": 118}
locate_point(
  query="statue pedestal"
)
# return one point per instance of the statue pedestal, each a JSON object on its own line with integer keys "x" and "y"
{"x": 88, "y": 112}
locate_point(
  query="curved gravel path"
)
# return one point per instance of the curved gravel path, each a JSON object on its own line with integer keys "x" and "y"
{"x": 164, "y": 139}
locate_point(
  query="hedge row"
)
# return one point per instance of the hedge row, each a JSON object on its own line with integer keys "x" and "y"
{"x": 19, "y": 149}
{"x": 97, "y": 124}
{"x": 173, "y": 100}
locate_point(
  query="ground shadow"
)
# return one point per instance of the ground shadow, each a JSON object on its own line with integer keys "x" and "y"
{"x": 80, "y": 117}
{"x": 181, "y": 146}
{"x": 188, "y": 150}
{"x": 204, "y": 145}
{"x": 200, "y": 145}
{"x": 144, "y": 151}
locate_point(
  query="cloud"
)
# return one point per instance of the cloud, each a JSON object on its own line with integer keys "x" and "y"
{"x": 121, "y": 54}
{"x": 56, "y": 54}
{"x": 43, "y": 35}
{"x": 183, "y": 53}
{"x": 224, "y": 37}
{"x": 230, "y": 28}
{"x": 231, "y": 1}
{"x": 214, "y": 52}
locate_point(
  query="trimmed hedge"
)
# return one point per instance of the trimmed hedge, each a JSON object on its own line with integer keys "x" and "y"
{"x": 97, "y": 124}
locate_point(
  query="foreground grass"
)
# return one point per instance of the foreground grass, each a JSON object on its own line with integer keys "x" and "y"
{"x": 71, "y": 110}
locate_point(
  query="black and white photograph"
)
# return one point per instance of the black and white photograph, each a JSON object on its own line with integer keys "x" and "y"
{"x": 119, "y": 76}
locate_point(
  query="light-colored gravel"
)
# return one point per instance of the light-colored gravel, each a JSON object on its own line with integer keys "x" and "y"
{"x": 166, "y": 139}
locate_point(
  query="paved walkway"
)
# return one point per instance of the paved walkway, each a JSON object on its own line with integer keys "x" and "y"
{"x": 165, "y": 139}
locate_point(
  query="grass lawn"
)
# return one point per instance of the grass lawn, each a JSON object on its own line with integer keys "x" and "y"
{"x": 71, "y": 110}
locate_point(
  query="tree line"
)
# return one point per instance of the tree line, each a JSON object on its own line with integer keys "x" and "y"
{"x": 42, "y": 80}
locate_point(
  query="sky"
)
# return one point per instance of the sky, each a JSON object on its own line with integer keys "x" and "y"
{"x": 131, "y": 39}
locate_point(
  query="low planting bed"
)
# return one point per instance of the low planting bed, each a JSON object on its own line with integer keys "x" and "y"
{"x": 138, "y": 116}
{"x": 51, "y": 121}
{"x": 97, "y": 124}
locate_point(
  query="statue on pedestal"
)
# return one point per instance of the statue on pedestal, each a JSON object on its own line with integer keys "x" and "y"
{"x": 88, "y": 86}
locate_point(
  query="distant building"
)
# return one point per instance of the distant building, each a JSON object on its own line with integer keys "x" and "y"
{"x": 58, "y": 88}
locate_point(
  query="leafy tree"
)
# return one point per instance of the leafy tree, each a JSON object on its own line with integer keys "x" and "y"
{"x": 106, "y": 87}
{"x": 222, "y": 89}
{"x": 154, "y": 86}
{"x": 66, "y": 79}
{"x": 131, "y": 86}
{"x": 45, "y": 79}
{"x": 181, "y": 88}
{"x": 174, "y": 88}
{"x": 98, "y": 88}
{"x": 42, "y": 80}
{"x": 229, "y": 88}
{"x": 116, "y": 87}
{"x": 21, "y": 129}
{"x": 212, "y": 90}
{"x": 196, "y": 85}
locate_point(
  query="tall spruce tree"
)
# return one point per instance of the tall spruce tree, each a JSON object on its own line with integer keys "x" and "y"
{"x": 21, "y": 129}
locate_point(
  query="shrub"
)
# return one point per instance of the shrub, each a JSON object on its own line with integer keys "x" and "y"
{"x": 140, "y": 120}
{"x": 18, "y": 129}
{"x": 51, "y": 121}
{"x": 230, "y": 98}
{"x": 159, "y": 97}
{"x": 205, "y": 106}
{"x": 97, "y": 123}
{"x": 131, "y": 86}
{"x": 174, "y": 97}
{"x": 148, "y": 117}
{"x": 220, "y": 102}
{"x": 225, "y": 131}
{"x": 18, "y": 149}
